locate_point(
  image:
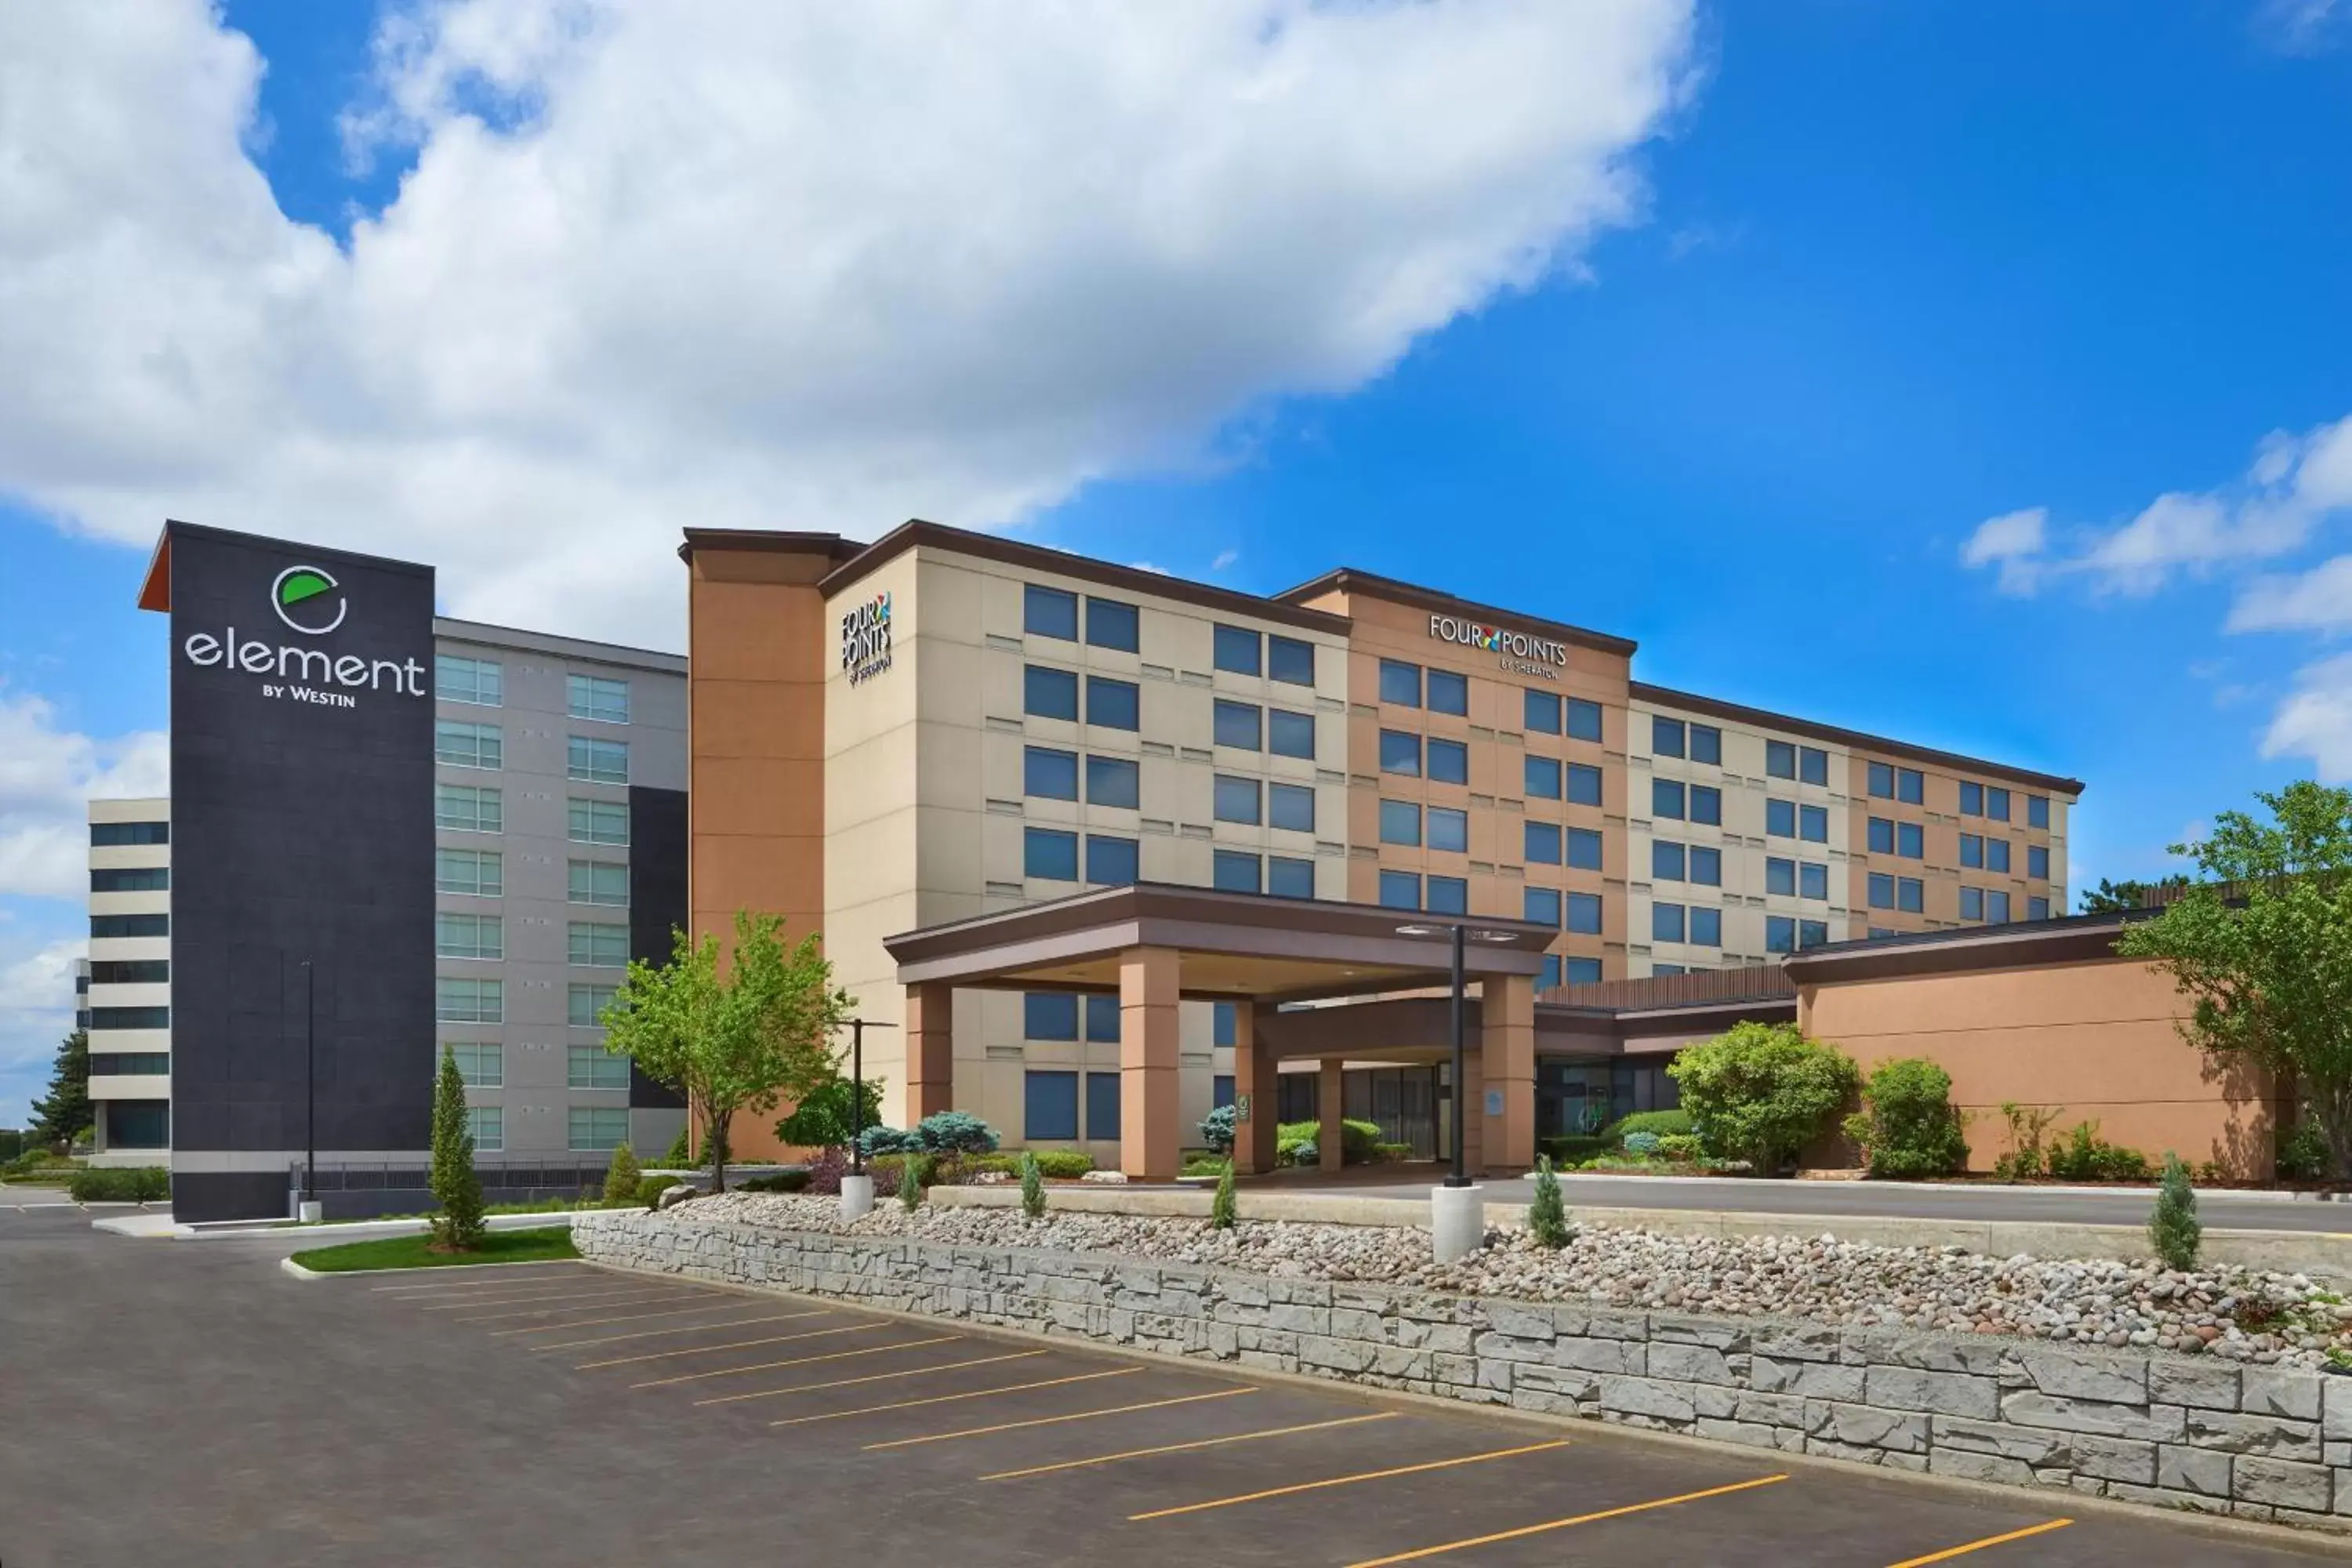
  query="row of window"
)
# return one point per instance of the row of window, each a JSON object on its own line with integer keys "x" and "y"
{"x": 118, "y": 835}
{"x": 1993, "y": 906}
{"x": 129, "y": 925}
{"x": 1887, "y": 837}
{"x": 482, "y": 681}
{"x": 1114, "y": 623}
{"x": 131, "y": 879}
{"x": 129, "y": 1018}
{"x": 1247, "y": 727}
{"x": 592, "y": 1128}
{"x": 130, "y": 972}
{"x": 1679, "y": 802}
{"x": 1680, "y": 738}
{"x": 587, "y": 943}
{"x": 1787, "y": 819}
{"x": 460, "y": 999}
{"x": 1251, "y": 802}
{"x": 1699, "y": 925}
{"x": 129, "y": 1064}
{"x": 1576, "y": 912}
{"x": 1673, "y": 862}
{"x": 1284, "y": 876}
{"x": 481, "y": 808}
{"x": 1049, "y": 1104}
{"x": 1048, "y": 693}
{"x": 481, "y": 873}
{"x": 482, "y": 1064}
{"x": 1561, "y": 969}
{"x": 1052, "y": 774}
{"x": 1056, "y": 1015}
{"x": 586, "y": 760}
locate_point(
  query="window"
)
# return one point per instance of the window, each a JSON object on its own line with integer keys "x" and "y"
{"x": 1401, "y": 823}
{"x": 1399, "y": 753}
{"x": 1813, "y": 933}
{"x": 1706, "y": 928}
{"x": 1110, "y": 623}
{"x": 1584, "y": 849}
{"x": 129, "y": 925}
{"x": 1780, "y": 819}
{"x": 2037, "y": 909}
{"x": 1114, "y": 781}
{"x": 1541, "y": 905}
{"x": 1882, "y": 835}
{"x": 487, "y": 1124}
{"x": 1539, "y": 712}
{"x": 1048, "y": 854}
{"x": 1550, "y": 979}
{"x": 1882, "y": 891}
{"x": 1289, "y": 877}
{"x": 1223, "y": 1023}
{"x": 1780, "y": 934}
{"x": 465, "y": 1000}
{"x": 1583, "y": 912}
{"x": 1997, "y": 804}
{"x": 130, "y": 972}
{"x": 1542, "y": 843}
{"x": 1583, "y": 720}
{"x": 2037, "y": 811}
{"x": 594, "y": 1066}
{"x": 597, "y": 821}
{"x": 461, "y": 745}
{"x": 1290, "y": 807}
{"x": 584, "y": 1005}
{"x": 1706, "y": 744}
{"x": 469, "y": 936}
{"x": 597, "y": 762}
{"x": 130, "y": 1063}
{"x": 1668, "y": 798}
{"x": 598, "y": 882}
{"x": 459, "y": 680}
{"x": 1707, "y": 866}
{"x": 1102, "y": 1018}
{"x": 1102, "y": 1105}
{"x": 1049, "y": 693}
{"x": 1910, "y": 841}
{"x": 1449, "y": 762}
{"x": 1812, "y": 881}
{"x": 482, "y": 1064}
{"x": 1449, "y": 830}
{"x": 1449, "y": 896}
{"x": 1781, "y": 759}
{"x": 131, "y": 880}
{"x": 1584, "y": 784}
{"x": 1114, "y": 704}
{"x": 1665, "y": 923}
{"x": 1581, "y": 971}
{"x": 1049, "y": 774}
{"x": 1669, "y": 969}
{"x": 1399, "y": 683}
{"x": 1814, "y": 765}
{"x": 1049, "y": 1015}
{"x": 1449, "y": 692}
{"x": 1996, "y": 854}
{"x": 596, "y": 945}
{"x": 1290, "y": 661}
{"x": 1049, "y": 1105}
{"x": 130, "y": 1017}
{"x": 1996, "y": 906}
{"x": 1239, "y": 725}
{"x": 468, "y": 808}
{"x": 1049, "y": 612}
{"x": 1910, "y": 895}
{"x": 1668, "y": 738}
{"x": 1706, "y": 804}
{"x": 1667, "y": 861}
{"x": 596, "y": 697}
{"x": 1238, "y": 800}
{"x": 1813, "y": 824}
{"x": 1220, "y": 1087}
{"x": 2037, "y": 862}
{"x": 1781, "y": 876}
{"x": 1881, "y": 780}
{"x": 1112, "y": 862}
{"x": 1290, "y": 734}
{"x": 598, "y": 1129}
{"x": 1237, "y": 650}
{"x": 1234, "y": 872}
{"x": 1972, "y": 799}
{"x": 1542, "y": 777}
{"x": 1910, "y": 786}
{"x": 115, "y": 834}
{"x": 1400, "y": 890}
{"x": 1971, "y": 904}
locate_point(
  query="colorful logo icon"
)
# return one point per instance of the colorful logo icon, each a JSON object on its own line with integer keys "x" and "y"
{"x": 308, "y": 599}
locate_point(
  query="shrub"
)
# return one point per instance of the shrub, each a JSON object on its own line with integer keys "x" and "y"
{"x": 1643, "y": 1144}
{"x": 2086, "y": 1156}
{"x": 1665, "y": 1123}
{"x": 2173, "y": 1228}
{"x": 681, "y": 1153}
{"x": 1033, "y": 1188}
{"x": 1358, "y": 1141}
{"x": 1760, "y": 1092}
{"x": 1217, "y": 1129}
{"x": 2303, "y": 1152}
{"x": 780, "y": 1181}
{"x": 821, "y": 1118}
{"x": 622, "y": 1177}
{"x": 2028, "y": 1125}
{"x": 1910, "y": 1129}
{"x": 1062, "y": 1164}
{"x": 1225, "y": 1211}
{"x": 1389, "y": 1153}
{"x": 911, "y": 1181}
{"x": 878, "y": 1139}
{"x": 1569, "y": 1153}
{"x": 1206, "y": 1165}
{"x": 120, "y": 1184}
{"x": 1548, "y": 1215}
{"x": 1679, "y": 1145}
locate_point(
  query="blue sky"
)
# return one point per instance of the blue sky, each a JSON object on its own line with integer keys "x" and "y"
{"x": 1887, "y": 272}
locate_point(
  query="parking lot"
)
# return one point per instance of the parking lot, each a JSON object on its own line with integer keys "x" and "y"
{"x": 561, "y": 1412}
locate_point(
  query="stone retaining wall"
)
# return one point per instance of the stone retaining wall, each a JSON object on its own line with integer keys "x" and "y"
{"x": 2255, "y": 1442}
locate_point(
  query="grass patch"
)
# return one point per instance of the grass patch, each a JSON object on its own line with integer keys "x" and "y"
{"x": 410, "y": 1251}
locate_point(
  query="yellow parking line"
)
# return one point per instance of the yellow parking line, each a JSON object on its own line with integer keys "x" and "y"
{"x": 1181, "y": 1447}
{"x": 908, "y": 1372}
{"x": 635, "y": 1318}
{"x": 729, "y": 1345}
{"x": 1350, "y": 1480}
{"x": 799, "y": 1360}
{"x": 936, "y": 1399}
{"x": 599, "y": 1306}
{"x": 1056, "y": 1420}
{"x": 649, "y": 1333}
{"x": 604, "y": 1293}
{"x": 1564, "y": 1523}
{"x": 1950, "y": 1553}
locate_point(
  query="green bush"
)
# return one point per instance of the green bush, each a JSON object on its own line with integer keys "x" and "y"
{"x": 821, "y": 1118}
{"x": 1679, "y": 1146}
{"x": 1225, "y": 1211}
{"x": 1568, "y": 1153}
{"x": 1358, "y": 1141}
{"x": 622, "y": 1177}
{"x": 1062, "y": 1164}
{"x": 1548, "y": 1214}
{"x": 2303, "y": 1152}
{"x": 1910, "y": 1127}
{"x": 912, "y": 1181}
{"x": 954, "y": 1133}
{"x": 780, "y": 1181}
{"x": 121, "y": 1184}
{"x": 1640, "y": 1145}
{"x": 681, "y": 1153}
{"x": 1389, "y": 1153}
{"x": 1206, "y": 1165}
{"x": 1217, "y": 1129}
{"x": 651, "y": 1188}
{"x": 2173, "y": 1229}
{"x": 1760, "y": 1092}
{"x": 2085, "y": 1156}
{"x": 1033, "y": 1188}
{"x": 1665, "y": 1123}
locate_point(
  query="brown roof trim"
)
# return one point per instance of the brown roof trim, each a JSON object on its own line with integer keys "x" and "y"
{"x": 2072, "y": 939}
{"x": 155, "y": 588}
{"x": 1717, "y": 708}
{"x": 1354, "y": 579}
{"x": 779, "y": 541}
{"x": 916, "y": 532}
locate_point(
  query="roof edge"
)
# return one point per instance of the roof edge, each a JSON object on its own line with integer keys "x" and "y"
{"x": 1353, "y": 579}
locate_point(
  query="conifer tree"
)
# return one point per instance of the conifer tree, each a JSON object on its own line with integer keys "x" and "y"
{"x": 458, "y": 1228}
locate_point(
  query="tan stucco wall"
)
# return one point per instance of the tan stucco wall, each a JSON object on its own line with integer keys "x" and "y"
{"x": 2095, "y": 1038}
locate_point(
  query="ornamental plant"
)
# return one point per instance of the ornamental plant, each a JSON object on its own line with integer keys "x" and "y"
{"x": 2174, "y": 1229}
{"x": 1910, "y": 1127}
{"x": 622, "y": 1178}
{"x": 1548, "y": 1215}
{"x": 916, "y": 1176}
{"x": 1224, "y": 1213}
{"x": 1760, "y": 1092}
{"x": 459, "y": 1226}
{"x": 1217, "y": 1129}
{"x": 1033, "y": 1188}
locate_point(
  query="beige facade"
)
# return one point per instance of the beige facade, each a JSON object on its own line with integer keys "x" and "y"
{"x": 130, "y": 997}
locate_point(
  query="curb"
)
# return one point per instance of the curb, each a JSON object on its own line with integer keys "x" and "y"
{"x": 294, "y": 1270}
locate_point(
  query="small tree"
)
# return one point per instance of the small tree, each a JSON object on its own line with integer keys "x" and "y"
{"x": 821, "y": 1118}
{"x": 459, "y": 1227}
{"x": 1548, "y": 1215}
{"x": 1033, "y": 1187}
{"x": 1911, "y": 1128}
{"x": 2109, "y": 896}
{"x": 1760, "y": 1092}
{"x": 59, "y": 1116}
{"x": 2174, "y": 1228}
{"x": 1224, "y": 1209}
{"x": 1217, "y": 1129}
{"x": 681, "y": 1153}
{"x": 622, "y": 1177}
{"x": 913, "y": 1177}
{"x": 2261, "y": 946}
{"x": 734, "y": 1042}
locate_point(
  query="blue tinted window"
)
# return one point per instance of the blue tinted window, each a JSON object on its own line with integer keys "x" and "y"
{"x": 1706, "y": 744}
{"x": 1449, "y": 692}
{"x": 1290, "y": 661}
{"x": 1449, "y": 762}
{"x": 1550, "y": 979}
{"x": 1780, "y": 819}
{"x": 1666, "y": 736}
{"x": 1882, "y": 891}
{"x": 2037, "y": 909}
{"x": 1542, "y": 905}
{"x": 1400, "y": 822}
{"x": 1882, "y": 835}
{"x": 1813, "y": 933}
{"x": 1113, "y": 704}
{"x": 1581, "y": 970}
{"x": 1291, "y": 806}
{"x": 1813, "y": 824}
{"x": 1971, "y": 800}
{"x": 1050, "y": 774}
{"x": 1780, "y": 934}
{"x": 1707, "y": 866}
{"x": 1400, "y": 890}
{"x": 1050, "y": 613}
{"x": 1111, "y": 862}
{"x": 1666, "y": 799}
{"x": 1049, "y": 1015}
{"x": 2037, "y": 862}
{"x": 1223, "y": 1023}
{"x": 1583, "y": 785}
{"x": 1049, "y": 855}
{"x": 1110, "y": 623}
{"x": 1779, "y": 759}
{"x": 1584, "y": 849}
{"x": 1236, "y": 872}
{"x": 1706, "y": 804}
{"x": 1542, "y": 777}
{"x": 1049, "y": 1105}
{"x": 1971, "y": 904}
{"x": 1236, "y": 725}
{"x": 1910, "y": 840}
{"x": 1114, "y": 781}
{"x": 1881, "y": 780}
{"x": 1996, "y": 854}
{"x": 1910, "y": 786}
{"x": 1997, "y": 804}
{"x": 1781, "y": 876}
{"x": 1449, "y": 896}
{"x": 1583, "y": 720}
{"x": 1583, "y": 912}
{"x": 2037, "y": 811}
{"x": 1102, "y": 1105}
{"x": 1813, "y": 881}
{"x": 1542, "y": 843}
{"x": 1814, "y": 766}
{"x": 1541, "y": 712}
{"x": 1399, "y": 753}
{"x": 1102, "y": 1018}
{"x": 1910, "y": 894}
{"x": 1286, "y": 878}
{"x": 1290, "y": 734}
{"x": 1666, "y": 861}
{"x": 1049, "y": 693}
{"x": 1665, "y": 923}
{"x": 1237, "y": 650}
{"x": 1237, "y": 799}
{"x": 1972, "y": 850}
{"x": 1400, "y": 683}
{"x": 1706, "y": 928}
{"x": 1221, "y": 1090}
{"x": 1449, "y": 830}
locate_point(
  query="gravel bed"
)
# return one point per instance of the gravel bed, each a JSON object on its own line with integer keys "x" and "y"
{"x": 2248, "y": 1315}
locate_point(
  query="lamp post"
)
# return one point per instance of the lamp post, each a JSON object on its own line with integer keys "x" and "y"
{"x": 1457, "y": 1216}
{"x": 310, "y": 1209}
{"x": 857, "y": 1187}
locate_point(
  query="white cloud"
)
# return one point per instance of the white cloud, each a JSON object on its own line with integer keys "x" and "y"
{"x": 47, "y": 775}
{"x": 2300, "y": 27}
{"x": 727, "y": 262}
{"x": 1224, "y": 558}
{"x": 2315, "y": 720}
{"x": 2317, "y": 600}
{"x": 2014, "y": 541}
{"x": 37, "y": 1003}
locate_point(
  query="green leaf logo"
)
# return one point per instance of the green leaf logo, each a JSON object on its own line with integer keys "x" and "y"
{"x": 308, "y": 599}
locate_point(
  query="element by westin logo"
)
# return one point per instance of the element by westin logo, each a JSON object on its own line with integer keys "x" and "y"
{"x": 308, "y": 599}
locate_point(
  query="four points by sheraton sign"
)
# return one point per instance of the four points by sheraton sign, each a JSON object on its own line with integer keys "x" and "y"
{"x": 1516, "y": 650}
